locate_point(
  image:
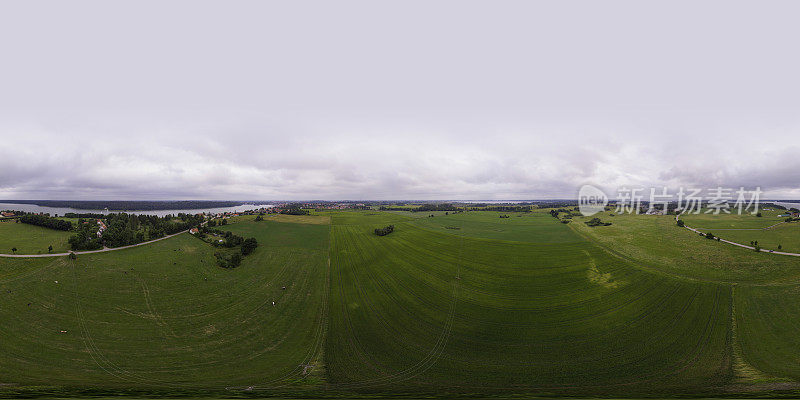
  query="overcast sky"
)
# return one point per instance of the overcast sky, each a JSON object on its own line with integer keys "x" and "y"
{"x": 395, "y": 99}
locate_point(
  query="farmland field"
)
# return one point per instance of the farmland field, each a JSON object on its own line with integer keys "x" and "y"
{"x": 786, "y": 235}
{"x": 165, "y": 316}
{"x": 523, "y": 227}
{"x": 421, "y": 310}
{"x": 31, "y": 239}
{"x": 498, "y": 306}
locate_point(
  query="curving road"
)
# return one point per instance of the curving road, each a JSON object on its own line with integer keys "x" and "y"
{"x": 677, "y": 217}
{"x": 103, "y": 250}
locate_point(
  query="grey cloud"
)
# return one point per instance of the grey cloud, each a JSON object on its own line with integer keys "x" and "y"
{"x": 381, "y": 100}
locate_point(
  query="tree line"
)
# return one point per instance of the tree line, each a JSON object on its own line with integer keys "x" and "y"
{"x": 46, "y": 221}
{"x": 126, "y": 229}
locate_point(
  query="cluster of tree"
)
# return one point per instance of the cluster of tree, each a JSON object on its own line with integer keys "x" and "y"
{"x": 393, "y": 208}
{"x": 46, "y": 221}
{"x": 597, "y": 222}
{"x": 220, "y": 222}
{"x": 436, "y": 207}
{"x": 566, "y": 218}
{"x": 504, "y": 208}
{"x": 260, "y": 217}
{"x": 294, "y": 209}
{"x": 228, "y": 260}
{"x": 84, "y": 215}
{"x": 249, "y": 245}
{"x": 229, "y": 239}
{"x": 384, "y": 231}
{"x": 505, "y": 216}
{"x": 556, "y": 204}
{"x": 85, "y": 237}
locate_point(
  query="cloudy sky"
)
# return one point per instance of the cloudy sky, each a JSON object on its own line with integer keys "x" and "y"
{"x": 395, "y": 99}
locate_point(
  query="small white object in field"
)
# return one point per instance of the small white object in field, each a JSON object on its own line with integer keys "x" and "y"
{"x": 273, "y": 304}
{"x": 56, "y": 281}
{"x": 63, "y": 331}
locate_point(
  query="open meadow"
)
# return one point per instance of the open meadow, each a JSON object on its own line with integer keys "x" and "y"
{"x": 31, "y": 239}
{"x": 459, "y": 303}
{"x": 165, "y": 316}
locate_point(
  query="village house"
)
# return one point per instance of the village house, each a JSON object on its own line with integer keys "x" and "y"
{"x": 101, "y": 227}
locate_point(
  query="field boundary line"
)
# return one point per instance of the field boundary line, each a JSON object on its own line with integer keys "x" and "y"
{"x": 783, "y": 253}
{"x": 103, "y": 250}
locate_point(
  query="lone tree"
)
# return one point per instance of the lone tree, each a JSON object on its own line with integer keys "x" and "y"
{"x": 780, "y": 247}
{"x": 72, "y": 256}
{"x": 681, "y": 223}
{"x": 249, "y": 245}
{"x": 14, "y": 250}
{"x": 50, "y": 248}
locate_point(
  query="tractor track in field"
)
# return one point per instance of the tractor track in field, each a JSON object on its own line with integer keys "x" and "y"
{"x": 432, "y": 355}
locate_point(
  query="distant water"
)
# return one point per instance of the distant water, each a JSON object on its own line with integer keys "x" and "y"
{"x": 785, "y": 204}
{"x": 63, "y": 210}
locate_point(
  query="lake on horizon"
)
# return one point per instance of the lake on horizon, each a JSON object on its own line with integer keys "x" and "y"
{"x": 60, "y": 211}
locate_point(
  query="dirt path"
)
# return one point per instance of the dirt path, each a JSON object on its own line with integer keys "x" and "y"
{"x": 103, "y": 250}
{"x": 783, "y": 253}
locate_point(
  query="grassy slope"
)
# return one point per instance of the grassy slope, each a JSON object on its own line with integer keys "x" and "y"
{"x": 422, "y": 310}
{"x": 657, "y": 243}
{"x": 786, "y": 235}
{"x": 768, "y": 329}
{"x": 766, "y": 287}
{"x": 31, "y": 239}
{"x": 747, "y": 228}
{"x": 731, "y": 221}
{"x": 164, "y": 315}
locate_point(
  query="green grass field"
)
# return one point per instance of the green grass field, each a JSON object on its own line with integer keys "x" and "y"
{"x": 522, "y": 227}
{"x": 498, "y": 307}
{"x": 165, "y": 316}
{"x": 786, "y": 235}
{"x": 31, "y": 239}
{"x": 710, "y": 221}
